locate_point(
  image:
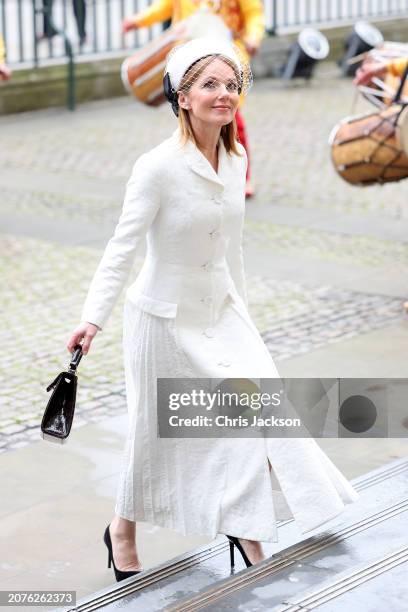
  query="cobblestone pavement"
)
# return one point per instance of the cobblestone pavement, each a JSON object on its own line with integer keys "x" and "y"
{"x": 72, "y": 168}
{"x": 330, "y": 246}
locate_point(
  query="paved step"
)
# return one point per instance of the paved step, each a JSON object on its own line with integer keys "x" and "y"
{"x": 352, "y": 223}
{"x": 362, "y": 551}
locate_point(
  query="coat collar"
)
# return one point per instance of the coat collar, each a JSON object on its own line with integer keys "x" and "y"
{"x": 200, "y": 164}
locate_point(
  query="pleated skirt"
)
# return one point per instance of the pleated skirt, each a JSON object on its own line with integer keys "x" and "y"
{"x": 224, "y": 485}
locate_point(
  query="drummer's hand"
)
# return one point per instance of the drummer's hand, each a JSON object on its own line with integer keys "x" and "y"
{"x": 128, "y": 24}
{"x": 252, "y": 45}
{"x": 85, "y": 332}
{"x": 368, "y": 71}
{"x": 5, "y": 72}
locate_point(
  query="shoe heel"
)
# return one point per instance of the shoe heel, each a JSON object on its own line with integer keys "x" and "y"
{"x": 233, "y": 541}
{"x": 231, "y": 545}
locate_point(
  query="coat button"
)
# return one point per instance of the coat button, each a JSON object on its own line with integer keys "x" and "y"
{"x": 216, "y": 200}
{"x": 224, "y": 363}
{"x": 214, "y": 233}
{"x": 207, "y": 299}
{"x": 209, "y": 332}
{"x": 207, "y": 266}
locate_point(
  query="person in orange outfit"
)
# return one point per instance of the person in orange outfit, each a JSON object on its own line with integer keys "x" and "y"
{"x": 245, "y": 20}
{"x": 369, "y": 70}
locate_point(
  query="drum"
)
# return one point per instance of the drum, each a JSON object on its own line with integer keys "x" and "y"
{"x": 142, "y": 72}
{"x": 372, "y": 148}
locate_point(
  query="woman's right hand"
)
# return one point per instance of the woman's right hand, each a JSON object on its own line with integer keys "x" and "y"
{"x": 85, "y": 332}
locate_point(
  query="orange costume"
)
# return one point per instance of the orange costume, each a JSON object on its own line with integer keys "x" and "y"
{"x": 244, "y": 18}
{"x": 397, "y": 66}
{"x": 2, "y": 51}
{"x": 395, "y": 69}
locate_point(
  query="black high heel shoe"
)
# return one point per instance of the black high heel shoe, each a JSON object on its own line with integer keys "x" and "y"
{"x": 119, "y": 574}
{"x": 233, "y": 541}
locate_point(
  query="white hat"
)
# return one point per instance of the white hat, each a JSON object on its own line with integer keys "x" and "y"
{"x": 183, "y": 56}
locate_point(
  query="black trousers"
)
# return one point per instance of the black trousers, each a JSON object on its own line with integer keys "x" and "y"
{"x": 48, "y": 29}
{"x": 79, "y": 7}
{"x": 80, "y": 17}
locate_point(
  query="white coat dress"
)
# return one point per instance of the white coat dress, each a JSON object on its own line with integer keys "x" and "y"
{"x": 186, "y": 316}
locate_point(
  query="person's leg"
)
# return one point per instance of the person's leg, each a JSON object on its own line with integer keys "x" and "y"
{"x": 48, "y": 30}
{"x": 253, "y": 549}
{"x": 80, "y": 18}
{"x": 123, "y": 536}
{"x": 242, "y": 137}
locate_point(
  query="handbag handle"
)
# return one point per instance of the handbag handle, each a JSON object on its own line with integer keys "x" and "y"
{"x": 76, "y": 358}
{"x": 73, "y": 364}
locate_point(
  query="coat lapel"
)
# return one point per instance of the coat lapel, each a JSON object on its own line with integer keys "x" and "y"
{"x": 200, "y": 164}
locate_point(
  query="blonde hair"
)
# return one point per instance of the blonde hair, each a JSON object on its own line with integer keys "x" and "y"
{"x": 229, "y": 131}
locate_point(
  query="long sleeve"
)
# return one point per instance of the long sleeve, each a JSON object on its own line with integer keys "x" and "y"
{"x": 397, "y": 66}
{"x": 234, "y": 255}
{"x": 141, "y": 203}
{"x": 253, "y": 14}
{"x": 235, "y": 259}
{"x": 160, "y": 10}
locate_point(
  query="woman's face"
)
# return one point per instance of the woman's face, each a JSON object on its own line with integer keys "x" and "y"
{"x": 213, "y": 98}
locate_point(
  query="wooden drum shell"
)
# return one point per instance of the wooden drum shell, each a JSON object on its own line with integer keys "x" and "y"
{"x": 368, "y": 149}
{"x": 142, "y": 72}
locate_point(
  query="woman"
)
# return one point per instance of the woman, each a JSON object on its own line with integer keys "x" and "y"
{"x": 243, "y": 18}
{"x": 186, "y": 316}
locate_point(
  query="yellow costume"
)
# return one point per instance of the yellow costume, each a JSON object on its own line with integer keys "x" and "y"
{"x": 245, "y": 18}
{"x": 2, "y": 51}
{"x": 397, "y": 66}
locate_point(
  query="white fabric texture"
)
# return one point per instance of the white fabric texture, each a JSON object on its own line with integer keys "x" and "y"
{"x": 186, "y": 316}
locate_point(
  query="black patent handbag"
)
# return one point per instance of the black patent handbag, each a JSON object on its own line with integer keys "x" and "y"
{"x": 59, "y": 414}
